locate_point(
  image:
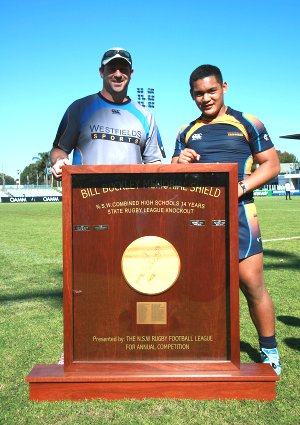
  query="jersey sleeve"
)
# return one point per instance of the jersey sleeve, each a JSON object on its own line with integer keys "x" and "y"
{"x": 180, "y": 143}
{"x": 259, "y": 138}
{"x": 154, "y": 150}
{"x": 67, "y": 133}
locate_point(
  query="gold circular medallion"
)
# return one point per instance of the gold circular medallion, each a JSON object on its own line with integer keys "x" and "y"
{"x": 150, "y": 265}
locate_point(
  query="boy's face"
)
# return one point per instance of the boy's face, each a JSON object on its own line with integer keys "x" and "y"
{"x": 208, "y": 94}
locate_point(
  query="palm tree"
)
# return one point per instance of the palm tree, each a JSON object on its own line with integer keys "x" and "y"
{"x": 42, "y": 163}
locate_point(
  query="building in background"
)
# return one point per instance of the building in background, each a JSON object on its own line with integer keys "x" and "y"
{"x": 290, "y": 172}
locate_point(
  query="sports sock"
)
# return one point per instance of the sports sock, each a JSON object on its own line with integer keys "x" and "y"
{"x": 267, "y": 341}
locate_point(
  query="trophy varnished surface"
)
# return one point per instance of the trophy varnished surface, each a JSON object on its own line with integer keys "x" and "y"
{"x": 151, "y": 306}
{"x": 151, "y": 243}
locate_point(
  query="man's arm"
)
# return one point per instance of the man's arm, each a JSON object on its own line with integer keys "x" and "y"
{"x": 58, "y": 158}
{"x": 269, "y": 167}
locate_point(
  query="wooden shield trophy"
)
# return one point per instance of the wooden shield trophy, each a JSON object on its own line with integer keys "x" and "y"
{"x": 151, "y": 306}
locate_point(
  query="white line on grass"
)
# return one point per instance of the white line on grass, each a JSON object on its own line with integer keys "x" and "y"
{"x": 281, "y": 239}
{"x": 277, "y": 209}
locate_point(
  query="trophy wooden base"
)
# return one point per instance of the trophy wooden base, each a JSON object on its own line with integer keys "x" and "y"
{"x": 251, "y": 381}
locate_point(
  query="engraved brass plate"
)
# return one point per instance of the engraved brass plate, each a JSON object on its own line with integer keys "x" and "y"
{"x": 198, "y": 223}
{"x": 219, "y": 222}
{"x": 101, "y": 227}
{"x": 150, "y": 265}
{"x": 81, "y": 228}
{"x": 152, "y": 313}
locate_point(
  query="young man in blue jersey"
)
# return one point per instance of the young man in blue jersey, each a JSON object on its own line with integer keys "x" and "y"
{"x": 107, "y": 127}
{"x": 224, "y": 135}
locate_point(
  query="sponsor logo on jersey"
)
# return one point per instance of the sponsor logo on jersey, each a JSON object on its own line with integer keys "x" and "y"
{"x": 266, "y": 137}
{"x": 234, "y": 133}
{"x": 197, "y": 136}
{"x": 116, "y": 111}
{"x": 115, "y": 138}
{"x": 100, "y": 129}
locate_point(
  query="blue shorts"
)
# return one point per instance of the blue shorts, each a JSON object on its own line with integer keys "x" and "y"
{"x": 249, "y": 232}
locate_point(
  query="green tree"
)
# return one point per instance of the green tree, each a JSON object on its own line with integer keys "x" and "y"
{"x": 31, "y": 175}
{"x": 7, "y": 179}
{"x": 42, "y": 162}
{"x": 286, "y": 157}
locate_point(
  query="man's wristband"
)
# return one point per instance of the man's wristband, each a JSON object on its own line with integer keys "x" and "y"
{"x": 242, "y": 184}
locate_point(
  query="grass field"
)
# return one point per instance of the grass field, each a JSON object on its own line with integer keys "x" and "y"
{"x": 31, "y": 329}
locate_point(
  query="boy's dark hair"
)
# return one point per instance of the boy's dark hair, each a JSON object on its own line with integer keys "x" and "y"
{"x": 205, "y": 71}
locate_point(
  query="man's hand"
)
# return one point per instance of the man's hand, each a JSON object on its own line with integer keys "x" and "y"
{"x": 186, "y": 156}
{"x": 57, "y": 168}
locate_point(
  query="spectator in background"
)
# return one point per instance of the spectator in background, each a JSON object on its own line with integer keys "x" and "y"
{"x": 287, "y": 187}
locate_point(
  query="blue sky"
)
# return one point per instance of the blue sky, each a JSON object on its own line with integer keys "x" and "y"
{"x": 51, "y": 50}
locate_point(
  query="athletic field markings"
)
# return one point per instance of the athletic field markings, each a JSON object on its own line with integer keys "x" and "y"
{"x": 277, "y": 209}
{"x": 281, "y": 239}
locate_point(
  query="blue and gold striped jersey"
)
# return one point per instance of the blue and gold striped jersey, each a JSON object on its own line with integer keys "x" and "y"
{"x": 232, "y": 137}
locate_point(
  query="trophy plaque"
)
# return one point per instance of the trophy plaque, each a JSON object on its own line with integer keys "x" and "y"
{"x": 151, "y": 305}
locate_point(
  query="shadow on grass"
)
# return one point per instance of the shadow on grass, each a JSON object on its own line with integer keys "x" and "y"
{"x": 289, "y": 320}
{"x": 252, "y": 352}
{"x": 293, "y": 343}
{"x": 55, "y": 296}
{"x": 285, "y": 260}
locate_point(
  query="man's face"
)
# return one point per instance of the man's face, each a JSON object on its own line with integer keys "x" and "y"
{"x": 208, "y": 94}
{"x": 116, "y": 76}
